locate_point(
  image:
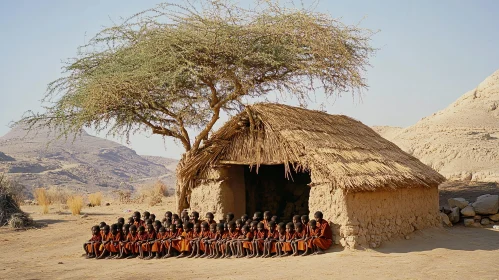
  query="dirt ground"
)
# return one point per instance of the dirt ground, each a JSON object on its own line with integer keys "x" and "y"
{"x": 55, "y": 252}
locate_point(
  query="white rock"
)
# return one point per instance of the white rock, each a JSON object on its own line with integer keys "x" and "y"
{"x": 454, "y": 215}
{"x": 445, "y": 219}
{"x": 485, "y": 221}
{"x": 486, "y": 204}
{"x": 458, "y": 202}
{"x": 468, "y": 211}
{"x": 494, "y": 217}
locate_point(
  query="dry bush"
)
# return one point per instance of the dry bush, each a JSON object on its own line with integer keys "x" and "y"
{"x": 154, "y": 193}
{"x": 10, "y": 212}
{"x": 95, "y": 199}
{"x": 124, "y": 197}
{"x": 58, "y": 195}
{"x": 14, "y": 188}
{"x": 43, "y": 199}
{"x": 75, "y": 204}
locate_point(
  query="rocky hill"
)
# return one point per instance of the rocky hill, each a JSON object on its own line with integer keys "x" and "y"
{"x": 461, "y": 141}
{"x": 86, "y": 163}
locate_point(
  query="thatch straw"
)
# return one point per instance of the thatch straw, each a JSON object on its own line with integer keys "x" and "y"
{"x": 334, "y": 148}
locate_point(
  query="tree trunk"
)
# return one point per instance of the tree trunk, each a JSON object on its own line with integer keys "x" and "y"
{"x": 183, "y": 187}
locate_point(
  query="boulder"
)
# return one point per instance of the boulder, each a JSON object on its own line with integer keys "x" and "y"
{"x": 458, "y": 202}
{"x": 485, "y": 221}
{"x": 486, "y": 204}
{"x": 494, "y": 217}
{"x": 445, "y": 219}
{"x": 468, "y": 211}
{"x": 468, "y": 222}
{"x": 454, "y": 215}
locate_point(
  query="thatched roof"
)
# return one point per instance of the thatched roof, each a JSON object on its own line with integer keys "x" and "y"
{"x": 334, "y": 148}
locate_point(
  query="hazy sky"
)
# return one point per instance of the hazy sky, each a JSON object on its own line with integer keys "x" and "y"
{"x": 431, "y": 52}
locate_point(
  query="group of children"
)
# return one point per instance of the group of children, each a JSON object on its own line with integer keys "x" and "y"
{"x": 187, "y": 236}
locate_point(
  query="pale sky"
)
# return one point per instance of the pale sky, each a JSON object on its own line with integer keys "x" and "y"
{"x": 431, "y": 52}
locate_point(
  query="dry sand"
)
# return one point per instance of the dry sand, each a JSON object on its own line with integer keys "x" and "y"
{"x": 55, "y": 252}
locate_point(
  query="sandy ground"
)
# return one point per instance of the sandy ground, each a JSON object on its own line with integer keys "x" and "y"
{"x": 55, "y": 252}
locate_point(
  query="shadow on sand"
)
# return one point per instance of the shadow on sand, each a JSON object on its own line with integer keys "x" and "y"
{"x": 458, "y": 238}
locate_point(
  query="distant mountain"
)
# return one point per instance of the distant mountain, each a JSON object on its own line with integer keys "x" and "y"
{"x": 461, "y": 141}
{"x": 86, "y": 163}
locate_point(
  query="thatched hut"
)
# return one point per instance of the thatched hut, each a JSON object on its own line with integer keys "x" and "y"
{"x": 295, "y": 161}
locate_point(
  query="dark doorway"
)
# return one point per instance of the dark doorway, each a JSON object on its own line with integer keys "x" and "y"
{"x": 270, "y": 190}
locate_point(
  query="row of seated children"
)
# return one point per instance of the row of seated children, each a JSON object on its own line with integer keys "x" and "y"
{"x": 187, "y": 236}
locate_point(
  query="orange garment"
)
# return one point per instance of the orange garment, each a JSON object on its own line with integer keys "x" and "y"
{"x": 248, "y": 244}
{"x": 95, "y": 238}
{"x": 325, "y": 237}
{"x": 130, "y": 245}
{"x": 170, "y": 236}
{"x": 273, "y": 235}
{"x": 114, "y": 245}
{"x": 212, "y": 222}
{"x": 147, "y": 247}
{"x": 157, "y": 246}
{"x": 286, "y": 245}
{"x": 204, "y": 236}
{"x": 176, "y": 243}
{"x": 185, "y": 243}
{"x": 302, "y": 246}
{"x": 260, "y": 235}
{"x": 223, "y": 238}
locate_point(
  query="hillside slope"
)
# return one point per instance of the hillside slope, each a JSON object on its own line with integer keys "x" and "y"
{"x": 86, "y": 164}
{"x": 461, "y": 141}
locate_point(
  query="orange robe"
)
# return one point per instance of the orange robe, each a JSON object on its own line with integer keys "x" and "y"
{"x": 114, "y": 245}
{"x": 302, "y": 246}
{"x": 325, "y": 239}
{"x": 274, "y": 235}
{"x": 248, "y": 244}
{"x": 176, "y": 243}
{"x": 157, "y": 246}
{"x": 140, "y": 237}
{"x": 95, "y": 238}
{"x": 260, "y": 235}
{"x": 169, "y": 237}
{"x": 224, "y": 236}
{"x": 185, "y": 242}
{"x": 147, "y": 247}
{"x": 204, "y": 235}
{"x": 130, "y": 245}
{"x": 286, "y": 247}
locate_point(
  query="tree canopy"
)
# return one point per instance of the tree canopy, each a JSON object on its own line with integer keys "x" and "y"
{"x": 174, "y": 68}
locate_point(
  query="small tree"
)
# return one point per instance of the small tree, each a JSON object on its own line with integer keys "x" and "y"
{"x": 174, "y": 69}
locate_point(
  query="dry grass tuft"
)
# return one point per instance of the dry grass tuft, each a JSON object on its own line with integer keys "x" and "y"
{"x": 75, "y": 204}
{"x": 43, "y": 199}
{"x": 95, "y": 199}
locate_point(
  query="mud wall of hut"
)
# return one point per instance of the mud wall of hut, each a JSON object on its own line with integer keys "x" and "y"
{"x": 221, "y": 191}
{"x": 375, "y": 217}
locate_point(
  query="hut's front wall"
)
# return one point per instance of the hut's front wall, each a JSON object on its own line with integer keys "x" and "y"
{"x": 374, "y": 217}
{"x": 331, "y": 202}
{"x": 220, "y": 193}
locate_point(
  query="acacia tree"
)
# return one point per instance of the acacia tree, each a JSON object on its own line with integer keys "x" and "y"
{"x": 174, "y": 69}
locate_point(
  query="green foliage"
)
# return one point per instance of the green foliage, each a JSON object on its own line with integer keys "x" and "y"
{"x": 173, "y": 68}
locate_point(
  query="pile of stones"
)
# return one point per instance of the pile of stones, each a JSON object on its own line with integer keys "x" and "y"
{"x": 482, "y": 212}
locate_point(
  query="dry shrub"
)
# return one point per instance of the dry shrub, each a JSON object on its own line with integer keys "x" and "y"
{"x": 10, "y": 212}
{"x": 58, "y": 195}
{"x": 95, "y": 199}
{"x": 75, "y": 204}
{"x": 158, "y": 191}
{"x": 14, "y": 188}
{"x": 124, "y": 196}
{"x": 43, "y": 199}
